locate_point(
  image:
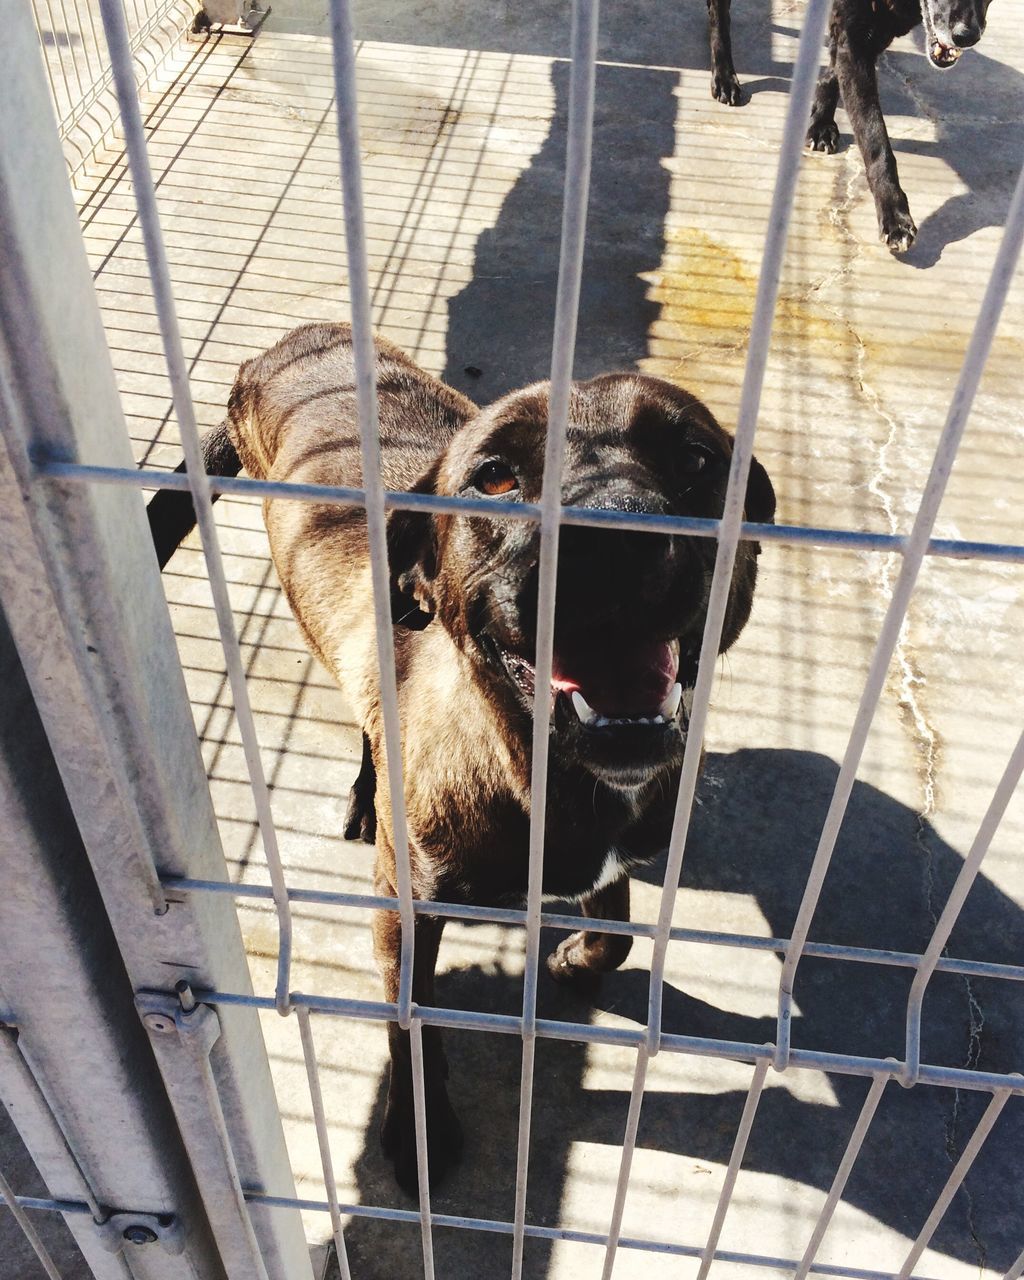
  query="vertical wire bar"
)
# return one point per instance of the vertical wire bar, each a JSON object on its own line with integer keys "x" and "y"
{"x": 636, "y": 1098}
{"x": 960, "y": 1171}
{"x": 46, "y": 60}
{"x": 346, "y": 106}
{"x": 60, "y": 62}
{"x": 323, "y": 1140}
{"x": 419, "y": 1098}
{"x": 1017, "y": 1270}
{"x": 913, "y": 557}
{"x": 968, "y": 873}
{"x": 860, "y": 1129}
{"x": 115, "y": 27}
{"x": 732, "y": 1173}
{"x": 30, "y": 1233}
{"x": 97, "y": 42}
{"x": 570, "y": 272}
{"x": 71, "y": 53}
{"x": 798, "y": 113}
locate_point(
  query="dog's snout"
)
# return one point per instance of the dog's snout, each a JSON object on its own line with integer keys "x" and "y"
{"x": 966, "y": 32}
{"x": 624, "y": 560}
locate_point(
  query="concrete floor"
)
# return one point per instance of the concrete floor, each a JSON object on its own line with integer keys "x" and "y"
{"x": 463, "y": 125}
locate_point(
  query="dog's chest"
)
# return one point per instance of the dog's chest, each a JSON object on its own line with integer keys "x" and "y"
{"x": 889, "y": 19}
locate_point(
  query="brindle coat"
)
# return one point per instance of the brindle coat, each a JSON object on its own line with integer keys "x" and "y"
{"x": 860, "y": 31}
{"x": 464, "y": 682}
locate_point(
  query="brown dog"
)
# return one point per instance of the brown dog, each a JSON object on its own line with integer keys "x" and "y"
{"x": 628, "y": 624}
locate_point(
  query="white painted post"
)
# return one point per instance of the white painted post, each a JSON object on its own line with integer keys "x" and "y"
{"x": 80, "y": 587}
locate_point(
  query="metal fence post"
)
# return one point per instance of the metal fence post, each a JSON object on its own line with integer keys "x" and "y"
{"x": 82, "y": 593}
{"x": 76, "y": 1073}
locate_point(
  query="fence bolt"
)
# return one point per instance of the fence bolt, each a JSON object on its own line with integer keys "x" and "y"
{"x": 139, "y": 1235}
{"x": 159, "y": 1023}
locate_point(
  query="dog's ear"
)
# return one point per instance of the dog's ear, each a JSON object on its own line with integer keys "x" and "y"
{"x": 412, "y": 559}
{"x": 760, "y": 502}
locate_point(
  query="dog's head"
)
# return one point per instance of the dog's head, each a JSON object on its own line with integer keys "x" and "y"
{"x": 630, "y": 606}
{"x": 950, "y": 27}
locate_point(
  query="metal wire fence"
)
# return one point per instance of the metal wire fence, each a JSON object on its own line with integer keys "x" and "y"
{"x": 79, "y": 68}
{"x": 550, "y": 516}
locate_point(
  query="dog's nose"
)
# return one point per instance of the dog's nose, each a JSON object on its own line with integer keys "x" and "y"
{"x": 965, "y": 34}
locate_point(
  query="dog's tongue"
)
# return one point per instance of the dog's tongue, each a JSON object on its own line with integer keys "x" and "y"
{"x": 631, "y": 678}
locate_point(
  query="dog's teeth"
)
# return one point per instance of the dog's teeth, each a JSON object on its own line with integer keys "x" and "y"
{"x": 601, "y": 721}
{"x": 671, "y": 704}
{"x": 583, "y": 709}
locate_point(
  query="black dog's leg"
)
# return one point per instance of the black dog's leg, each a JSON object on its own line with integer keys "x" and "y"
{"x": 398, "y": 1131}
{"x": 582, "y": 957}
{"x": 724, "y": 84}
{"x": 361, "y": 814}
{"x": 858, "y": 84}
{"x": 823, "y": 134}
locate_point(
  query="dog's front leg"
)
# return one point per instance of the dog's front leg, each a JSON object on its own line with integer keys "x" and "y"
{"x": 724, "y": 84}
{"x": 823, "y": 132}
{"x": 398, "y": 1130}
{"x": 582, "y": 957}
{"x": 858, "y": 83}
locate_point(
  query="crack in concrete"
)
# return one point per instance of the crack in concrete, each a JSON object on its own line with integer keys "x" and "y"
{"x": 911, "y": 681}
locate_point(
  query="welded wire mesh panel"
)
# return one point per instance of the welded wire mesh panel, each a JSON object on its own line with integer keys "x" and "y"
{"x": 78, "y": 66}
{"x": 696, "y": 1065}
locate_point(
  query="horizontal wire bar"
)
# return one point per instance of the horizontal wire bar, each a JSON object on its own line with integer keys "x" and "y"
{"x": 624, "y": 1037}
{"x": 628, "y": 928}
{"x": 17, "y": 1210}
{"x": 440, "y": 504}
{"x": 496, "y": 1226}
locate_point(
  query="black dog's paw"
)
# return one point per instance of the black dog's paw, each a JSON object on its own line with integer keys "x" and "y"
{"x": 726, "y": 88}
{"x": 566, "y": 970}
{"x": 444, "y": 1139}
{"x": 897, "y": 229}
{"x": 579, "y": 960}
{"x": 360, "y": 818}
{"x": 823, "y": 135}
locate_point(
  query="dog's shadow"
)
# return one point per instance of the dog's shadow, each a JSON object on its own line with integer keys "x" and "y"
{"x": 754, "y": 833}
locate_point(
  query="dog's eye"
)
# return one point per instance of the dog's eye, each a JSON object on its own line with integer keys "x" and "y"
{"x": 693, "y": 459}
{"x": 495, "y": 478}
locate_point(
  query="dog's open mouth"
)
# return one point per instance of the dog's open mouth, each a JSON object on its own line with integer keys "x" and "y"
{"x": 942, "y": 55}
{"x": 610, "y": 684}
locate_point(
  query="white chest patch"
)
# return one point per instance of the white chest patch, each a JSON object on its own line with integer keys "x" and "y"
{"x": 611, "y": 869}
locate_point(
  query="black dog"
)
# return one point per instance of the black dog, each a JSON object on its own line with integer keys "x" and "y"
{"x": 860, "y": 31}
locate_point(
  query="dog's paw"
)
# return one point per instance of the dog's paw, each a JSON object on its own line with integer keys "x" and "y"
{"x": 444, "y": 1139}
{"x": 898, "y": 230}
{"x": 360, "y": 818}
{"x": 580, "y": 960}
{"x": 725, "y": 87}
{"x": 823, "y": 135}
